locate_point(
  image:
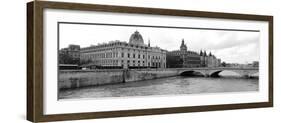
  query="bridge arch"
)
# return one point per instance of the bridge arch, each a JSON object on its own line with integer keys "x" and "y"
{"x": 192, "y": 73}
{"x": 243, "y": 73}
{"x": 215, "y": 73}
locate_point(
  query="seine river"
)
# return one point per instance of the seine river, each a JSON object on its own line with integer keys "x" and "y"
{"x": 166, "y": 86}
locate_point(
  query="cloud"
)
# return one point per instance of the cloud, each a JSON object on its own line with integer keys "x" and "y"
{"x": 225, "y": 39}
{"x": 230, "y": 46}
{"x": 239, "y": 54}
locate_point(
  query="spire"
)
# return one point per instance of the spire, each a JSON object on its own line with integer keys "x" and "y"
{"x": 148, "y": 42}
{"x": 210, "y": 54}
{"x": 205, "y": 54}
{"x": 201, "y": 53}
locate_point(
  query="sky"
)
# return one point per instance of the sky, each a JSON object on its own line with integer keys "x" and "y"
{"x": 230, "y": 46}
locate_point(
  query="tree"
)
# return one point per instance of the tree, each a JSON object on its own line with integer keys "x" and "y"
{"x": 174, "y": 61}
{"x": 83, "y": 62}
{"x": 223, "y": 64}
{"x": 65, "y": 58}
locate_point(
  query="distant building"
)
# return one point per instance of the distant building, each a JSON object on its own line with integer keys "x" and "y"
{"x": 69, "y": 55}
{"x": 185, "y": 58}
{"x": 117, "y": 54}
{"x": 255, "y": 64}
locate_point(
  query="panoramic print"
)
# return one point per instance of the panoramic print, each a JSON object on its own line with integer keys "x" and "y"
{"x": 98, "y": 60}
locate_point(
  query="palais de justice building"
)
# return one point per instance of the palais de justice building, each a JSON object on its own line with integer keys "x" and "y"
{"x": 187, "y": 58}
{"x": 117, "y": 54}
{"x": 183, "y": 58}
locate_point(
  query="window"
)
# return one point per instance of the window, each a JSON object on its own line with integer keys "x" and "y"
{"x": 122, "y": 54}
{"x": 139, "y": 56}
{"x": 143, "y": 56}
{"x": 134, "y": 55}
{"x": 128, "y": 55}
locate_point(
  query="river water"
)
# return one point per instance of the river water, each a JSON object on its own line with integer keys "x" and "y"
{"x": 165, "y": 86}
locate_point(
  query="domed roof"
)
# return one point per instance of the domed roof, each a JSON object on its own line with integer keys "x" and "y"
{"x": 136, "y": 38}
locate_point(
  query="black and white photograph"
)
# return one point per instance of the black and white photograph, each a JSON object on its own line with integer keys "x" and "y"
{"x": 107, "y": 60}
{"x": 89, "y": 61}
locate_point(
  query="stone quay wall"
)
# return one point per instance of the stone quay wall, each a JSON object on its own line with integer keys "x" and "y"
{"x": 83, "y": 78}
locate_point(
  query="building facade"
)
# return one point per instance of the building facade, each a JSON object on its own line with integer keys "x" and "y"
{"x": 209, "y": 60}
{"x": 255, "y": 64}
{"x": 185, "y": 58}
{"x": 117, "y": 54}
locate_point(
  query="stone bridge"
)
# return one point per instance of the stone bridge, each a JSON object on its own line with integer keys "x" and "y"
{"x": 83, "y": 78}
{"x": 214, "y": 72}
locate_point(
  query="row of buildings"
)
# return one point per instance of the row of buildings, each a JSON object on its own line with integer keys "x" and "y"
{"x": 134, "y": 54}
